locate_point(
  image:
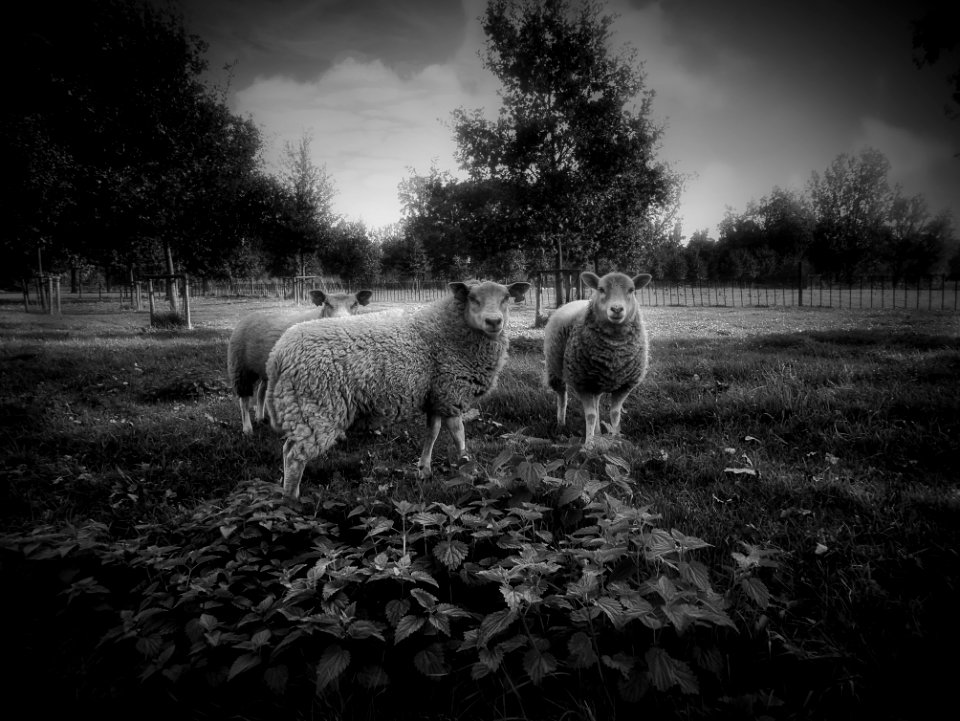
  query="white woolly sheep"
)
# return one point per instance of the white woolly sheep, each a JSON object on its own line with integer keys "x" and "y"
{"x": 324, "y": 377}
{"x": 597, "y": 346}
{"x": 254, "y": 338}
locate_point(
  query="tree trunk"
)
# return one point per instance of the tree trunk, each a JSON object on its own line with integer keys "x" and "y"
{"x": 558, "y": 277}
{"x": 171, "y": 282}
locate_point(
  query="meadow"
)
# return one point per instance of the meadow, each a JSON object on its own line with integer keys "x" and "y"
{"x": 775, "y": 535}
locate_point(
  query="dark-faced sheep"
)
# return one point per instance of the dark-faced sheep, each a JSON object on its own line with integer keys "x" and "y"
{"x": 254, "y": 338}
{"x": 598, "y": 346}
{"x": 326, "y": 376}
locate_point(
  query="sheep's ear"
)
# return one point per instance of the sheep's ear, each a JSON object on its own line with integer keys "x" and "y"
{"x": 517, "y": 290}
{"x": 363, "y": 296}
{"x": 591, "y": 280}
{"x": 318, "y": 297}
{"x": 460, "y": 290}
{"x": 639, "y": 281}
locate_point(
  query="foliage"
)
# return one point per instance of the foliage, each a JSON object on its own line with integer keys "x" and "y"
{"x": 569, "y": 163}
{"x": 119, "y": 154}
{"x": 526, "y": 580}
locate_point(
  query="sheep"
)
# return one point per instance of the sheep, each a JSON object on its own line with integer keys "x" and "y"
{"x": 597, "y": 346}
{"x": 255, "y": 335}
{"x": 325, "y": 377}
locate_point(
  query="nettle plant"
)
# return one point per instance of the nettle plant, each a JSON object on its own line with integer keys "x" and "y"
{"x": 527, "y": 580}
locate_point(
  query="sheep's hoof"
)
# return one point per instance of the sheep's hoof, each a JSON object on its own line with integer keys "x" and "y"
{"x": 424, "y": 473}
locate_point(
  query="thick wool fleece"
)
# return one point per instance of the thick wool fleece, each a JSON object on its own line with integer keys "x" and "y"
{"x": 593, "y": 356}
{"x": 326, "y": 376}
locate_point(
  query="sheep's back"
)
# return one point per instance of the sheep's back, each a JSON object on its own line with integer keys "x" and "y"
{"x": 373, "y": 369}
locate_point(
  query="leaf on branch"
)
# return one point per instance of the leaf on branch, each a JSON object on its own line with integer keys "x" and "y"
{"x": 581, "y": 650}
{"x": 396, "y": 609}
{"x": 408, "y": 625}
{"x": 538, "y": 664}
{"x": 451, "y": 553}
{"x": 666, "y": 671}
{"x": 426, "y": 600}
{"x": 333, "y": 662}
{"x": 276, "y": 678}
{"x": 430, "y": 661}
{"x": 494, "y": 624}
{"x": 757, "y": 591}
{"x": 243, "y": 663}
{"x": 696, "y": 573}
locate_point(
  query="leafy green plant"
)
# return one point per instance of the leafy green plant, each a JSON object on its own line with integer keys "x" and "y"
{"x": 350, "y": 604}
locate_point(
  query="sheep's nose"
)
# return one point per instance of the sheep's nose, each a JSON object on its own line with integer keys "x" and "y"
{"x": 493, "y": 324}
{"x": 616, "y": 310}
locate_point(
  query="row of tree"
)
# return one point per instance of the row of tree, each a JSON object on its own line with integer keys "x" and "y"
{"x": 849, "y": 221}
{"x": 122, "y": 159}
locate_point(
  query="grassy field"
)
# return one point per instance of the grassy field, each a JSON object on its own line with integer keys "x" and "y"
{"x": 815, "y": 450}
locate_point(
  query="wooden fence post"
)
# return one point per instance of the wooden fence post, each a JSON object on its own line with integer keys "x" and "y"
{"x": 186, "y": 300}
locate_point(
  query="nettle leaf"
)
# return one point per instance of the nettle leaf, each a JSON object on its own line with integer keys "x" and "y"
{"x": 709, "y": 659}
{"x": 613, "y": 610}
{"x": 260, "y": 638}
{"x": 491, "y": 658}
{"x": 208, "y": 622}
{"x": 531, "y": 473}
{"x": 479, "y": 671}
{"x": 426, "y": 600}
{"x": 430, "y": 661}
{"x": 581, "y": 650}
{"x": 621, "y": 662}
{"x": 227, "y": 530}
{"x": 757, "y": 591}
{"x": 688, "y": 543}
{"x": 451, "y": 553}
{"x": 243, "y": 663}
{"x": 666, "y": 672}
{"x": 538, "y": 664}
{"x": 569, "y": 494}
{"x": 333, "y": 662}
{"x": 150, "y": 646}
{"x": 373, "y": 676}
{"x": 407, "y": 626}
{"x": 364, "y": 629}
{"x": 696, "y": 573}
{"x": 276, "y": 678}
{"x": 440, "y": 622}
{"x": 494, "y": 624}
{"x": 397, "y": 609}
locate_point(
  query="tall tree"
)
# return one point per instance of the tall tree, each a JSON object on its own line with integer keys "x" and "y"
{"x": 573, "y": 146}
{"x": 852, "y": 201}
{"x": 117, "y": 151}
{"x": 310, "y": 190}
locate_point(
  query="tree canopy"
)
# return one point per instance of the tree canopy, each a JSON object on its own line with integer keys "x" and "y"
{"x": 569, "y": 164}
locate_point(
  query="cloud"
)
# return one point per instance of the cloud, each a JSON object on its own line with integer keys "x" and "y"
{"x": 369, "y": 125}
{"x": 910, "y": 154}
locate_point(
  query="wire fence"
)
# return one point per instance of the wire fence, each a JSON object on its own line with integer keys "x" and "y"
{"x": 928, "y": 292}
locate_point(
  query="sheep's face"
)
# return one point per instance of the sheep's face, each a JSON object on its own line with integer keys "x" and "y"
{"x": 614, "y": 295}
{"x": 487, "y": 304}
{"x": 338, "y": 305}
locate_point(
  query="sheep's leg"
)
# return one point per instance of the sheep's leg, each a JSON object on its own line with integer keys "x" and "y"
{"x": 616, "y": 406}
{"x": 591, "y": 414}
{"x": 261, "y": 395}
{"x": 433, "y": 430}
{"x": 562, "y": 405}
{"x": 454, "y": 425}
{"x": 244, "y": 402}
{"x": 293, "y": 464}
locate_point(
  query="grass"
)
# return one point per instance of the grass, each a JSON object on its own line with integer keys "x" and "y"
{"x": 829, "y": 436}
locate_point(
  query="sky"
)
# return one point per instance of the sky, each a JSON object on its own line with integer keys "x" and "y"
{"x": 753, "y": 94}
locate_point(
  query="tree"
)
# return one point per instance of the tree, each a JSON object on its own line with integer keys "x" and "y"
{"x": 117, "y": 152}
{"x": 310, "y": 192}
{"x": 852, "y": 201}
{"x": 351, "y": 254}
{"x": 570, "y": 159}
